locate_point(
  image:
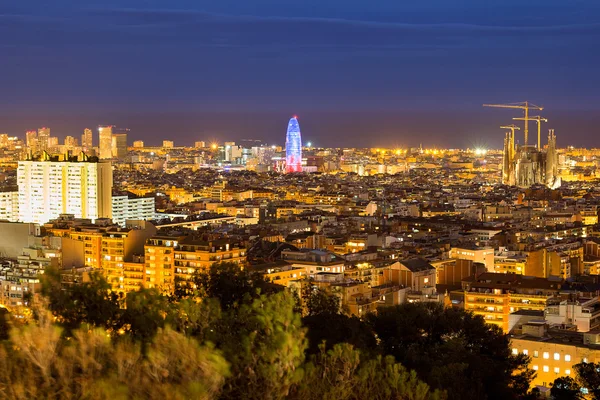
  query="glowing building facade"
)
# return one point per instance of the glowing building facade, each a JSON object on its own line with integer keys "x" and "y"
{"x": 50, "y": 188}
{"x": 525, "y": 166}
{"x": 293, "y": 147}
{"x": 105, "y": 134}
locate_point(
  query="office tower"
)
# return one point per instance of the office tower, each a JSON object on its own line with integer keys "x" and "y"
{"x": 138, "y": 144}
{"x": 168, "y": 144}
{"x": 31, "y": 139}
{"x": 119, "y": 145}
{"x": 105, "y": 133}
{"x": 87, "y": 140}
{"x": 52, "y": 144}
{"x": 293, "y": 147}
{"x": 200, "y": 144}
{"x": 43, "y": 136}
{"x": 50, "y": 188}
{"x": 71, "y": 142}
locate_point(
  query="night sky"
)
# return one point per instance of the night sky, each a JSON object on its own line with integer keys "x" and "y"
{"x": 357, "y": 73}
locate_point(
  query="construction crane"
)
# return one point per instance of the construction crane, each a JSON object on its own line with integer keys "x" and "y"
{"x": 539, "y": 121}
{"x": 511, "y": 144}
{"x": 525, "y": 106}
{"x": 512, "y": 128}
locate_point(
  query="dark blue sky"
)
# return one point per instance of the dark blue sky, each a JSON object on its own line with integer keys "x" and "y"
{"x": 357, "y": 72}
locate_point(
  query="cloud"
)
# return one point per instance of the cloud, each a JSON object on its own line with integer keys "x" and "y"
{"x": 190, "y": 16}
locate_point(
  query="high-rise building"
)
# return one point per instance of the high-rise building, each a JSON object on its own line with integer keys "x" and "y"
{"x": 43, "y": 137}
{"x": 200, "y": 144}
{"x": 71, "y": 142}
{"x": 52, "y": 144}
{"x": 138, "y": 144}
{"x": 50, "y": 188}
{"x": 119, "y": 145}
{"x": 87, "y": 140}
{"x": 31, "y": 139}
{"x": 105, "y": 133}
{"x": 293, "y": 147}
{"x": 168, "y": 144}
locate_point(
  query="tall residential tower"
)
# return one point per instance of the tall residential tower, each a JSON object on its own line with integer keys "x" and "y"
{"x": 51, "y": 187}
{"x": 293, "y": 147}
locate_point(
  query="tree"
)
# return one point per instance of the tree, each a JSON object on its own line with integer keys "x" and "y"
{"x": 39, "y": 362}
{"x": 231, "y": 284}
{"x": 195, "y": 317}
{"x": 264, "y": 342}
{"x": 319, "y": 301}
{"x": 146, "y": 312}
{"x": 332, "y": 329}
{"x": 87, "y": 302}
{"x": 588, "y": 377}
{"x": 340, "y": 374}
{"x": 453, "y": 350}
{"x": 566, "y": 388}
{"x": 4, "y": 323}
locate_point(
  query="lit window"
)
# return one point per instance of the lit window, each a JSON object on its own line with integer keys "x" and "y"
{"x": 557, "y": 356}
{"x": 546, "y": 368}
{"x": 536, "y": 354}
{"x": 585, "y": 360}
{"x": 567, "y": 357}
{"x": 526, "y": 352}
{"x": 567, "y": 372}
{"x": 546, "y": 355}
{"x": 515, "y": 351}
{"x": 556, "y": 370}
{"x": 535, "y": 367}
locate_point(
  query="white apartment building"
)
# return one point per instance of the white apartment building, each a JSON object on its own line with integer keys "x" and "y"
{"x": 129, "y": 206}
{"x": 48, "y": 189}
{"x": 9, "y": 206}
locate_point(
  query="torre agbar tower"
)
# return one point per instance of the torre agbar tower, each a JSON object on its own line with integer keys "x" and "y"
{"x": 293, "y": 147}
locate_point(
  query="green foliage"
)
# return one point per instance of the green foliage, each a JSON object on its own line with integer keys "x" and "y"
{"x": 231, "y": 284}
{"x": 39, "y": 363}
{"x": 237, "y": 336}
{"x": 4, "y": 323}
{"x": 452, "y": 350}
{"x": 264, "y": 341}
{"x": 145, "y": 313}
{"x": 566, "y": 388}
{"x": 89, "y": 302}
{"x": 195, "y": 317}
{"x": 339, "y": 374}
{"x": 588, "y": 376}
{"x": 319, "y": 301}
{"x": 338, "y": 328}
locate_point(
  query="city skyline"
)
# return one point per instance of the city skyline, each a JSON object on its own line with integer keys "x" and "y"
{"x": 475, "y": 136}
{"x": 389, "y": 70}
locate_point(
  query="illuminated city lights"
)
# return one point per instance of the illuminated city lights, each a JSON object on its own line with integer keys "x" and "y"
{"x": 293, "y": 147}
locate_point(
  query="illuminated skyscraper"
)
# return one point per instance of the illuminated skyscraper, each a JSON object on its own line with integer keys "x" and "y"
{"x": 31, "y": 137}
{"x": 293, "y": 147}
{"x": 105, "y": 142}
{"x": 86, "y": 140}
{"x": 119, "y": 145}
{"x": 43, "y": 136}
